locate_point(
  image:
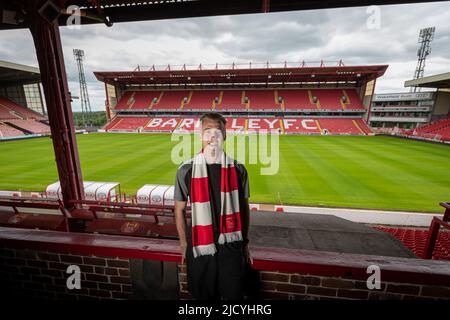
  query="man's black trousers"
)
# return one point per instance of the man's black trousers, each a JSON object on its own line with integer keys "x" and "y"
{"x": 218, "y": 276}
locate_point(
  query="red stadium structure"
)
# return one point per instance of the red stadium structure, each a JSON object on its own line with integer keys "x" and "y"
{"x": 117, "y": 245}
{"x": 436, "y": 130}
{"x": 308, "y": 98}
{"x": 17, "y": 121}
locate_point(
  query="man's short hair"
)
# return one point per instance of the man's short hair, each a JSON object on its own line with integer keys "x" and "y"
{"x": 215, "y": 117}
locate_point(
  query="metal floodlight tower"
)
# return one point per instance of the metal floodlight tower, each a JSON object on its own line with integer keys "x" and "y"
{"x": 426, "y": 35}
{"x": 86, "y": 111}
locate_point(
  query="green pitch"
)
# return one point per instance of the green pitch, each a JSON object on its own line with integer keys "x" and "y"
{"x": 339, "y": 171}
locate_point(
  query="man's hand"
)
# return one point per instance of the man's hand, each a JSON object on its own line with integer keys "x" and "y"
{"x": 180, "y": 221}
{"x": 183, "y": 248}
{"x": 247, "y": 257}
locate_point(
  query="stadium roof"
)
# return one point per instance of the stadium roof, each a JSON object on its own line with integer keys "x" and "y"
{"x": 12, "y": 73}
{"x": 440, "y": 81}
{"x": 234, "y": 75}
{"x": 13, "y": 13}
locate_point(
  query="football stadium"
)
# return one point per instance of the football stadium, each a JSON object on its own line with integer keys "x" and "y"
{"x": 341, "y": 178}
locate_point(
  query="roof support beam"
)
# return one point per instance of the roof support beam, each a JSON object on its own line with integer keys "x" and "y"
{"x": 54, "y": 81}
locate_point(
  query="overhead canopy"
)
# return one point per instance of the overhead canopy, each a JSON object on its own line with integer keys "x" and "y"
{"x": 12, "y": 73}
{"x": 112, "y": 11}
{"x": 247, "y": 75}
{"x": 440, "y": 81}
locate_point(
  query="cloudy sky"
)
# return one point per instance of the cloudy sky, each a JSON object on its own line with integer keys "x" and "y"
{"x": 353, "y": 35}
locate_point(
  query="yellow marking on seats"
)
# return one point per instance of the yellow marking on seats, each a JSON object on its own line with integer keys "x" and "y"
{"x": 130, "y": 104}
{"x": 218, "y": 102}
{"x": 312, "y": 101}
{"x": 347, "y": 97}
{"x": 178, "y": 124}
{"x": 148, "y": 123}
{"x": 318, "y": 125}
{"x": 276, "y": 100}
{"x": 116, "y": 124}
{"x": 188, "y": 100}
{"x": 359, "y": 128}
{"x": 159, "y": 99}
{"x": 281, "y": 126}
{"x": 347, "y": 100}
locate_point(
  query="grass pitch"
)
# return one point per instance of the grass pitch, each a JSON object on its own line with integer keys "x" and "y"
{"x": 338, "y": 171}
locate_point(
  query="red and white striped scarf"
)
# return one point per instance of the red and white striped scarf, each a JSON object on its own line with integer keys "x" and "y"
{"x": 201, "y": 217}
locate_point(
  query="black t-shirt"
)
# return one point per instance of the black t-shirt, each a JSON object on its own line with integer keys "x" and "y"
{"x": 183, "y": 187}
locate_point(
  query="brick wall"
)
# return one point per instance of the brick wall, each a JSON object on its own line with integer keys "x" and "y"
{"x": 287, "y": 286}
{"x": 42, "y": 274}
{"x": 33, "y": 263}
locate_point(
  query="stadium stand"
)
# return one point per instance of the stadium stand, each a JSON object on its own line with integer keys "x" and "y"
{"x": 173, "y": 100}
{"x": 276, "y": 100}
{"x": 125, "y": 101}
{"x": 354, "y": 126}
{"x": 415, "y": 239}
{"x": 261, "y": 124}
{"x": 261, "y": 100}
{"x": 19, "y": 121}
{"x": 16, "y": 109}
{"x": 304, "y": 99}
{"x": 142, "y": 100}
{"x": 127, "y": 123}
{"x": 353, "y": 101}
{"x": 7, "y": 131}
{"x": 202, "y": 100}
{"x": 30, "y": 125}
{"x": 163, "y": 124}
{"x": 336, "y": 99}
{"x": 7, "y": 114}
{"x": 231, "y": 100}
{"x": 439, "y": 128}
{"x": 341, "y": 126}
{"x": 295, "y": 99}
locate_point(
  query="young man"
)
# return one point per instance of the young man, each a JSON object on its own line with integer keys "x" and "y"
{"x": 215, "y": 244}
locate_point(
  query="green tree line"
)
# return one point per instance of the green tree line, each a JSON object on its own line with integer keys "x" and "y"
{"x": 98, "y": 119}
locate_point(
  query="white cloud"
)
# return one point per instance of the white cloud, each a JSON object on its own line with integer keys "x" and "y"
{"x": 291, "y": 36}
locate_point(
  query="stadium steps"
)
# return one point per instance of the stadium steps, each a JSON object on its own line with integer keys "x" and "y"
{"x": 347, "y": 100}
{"x": 131, "y": 101}
{"x": 23, "y": 130}
{"x": 19, "y": 110}
{"x": 311, "y": 100}
{"x": 357, "y": 126}
{"x": 30, "y": 126}
{"x": 6, "y": 114}
{"x": 8, "y": 131}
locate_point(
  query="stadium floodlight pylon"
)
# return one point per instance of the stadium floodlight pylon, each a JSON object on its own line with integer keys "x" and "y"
{"x": 426, "y": 35}
{"x": 86, "y": 111}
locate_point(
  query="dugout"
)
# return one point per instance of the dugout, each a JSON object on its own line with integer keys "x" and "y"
{"x": 93, "y": 191}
